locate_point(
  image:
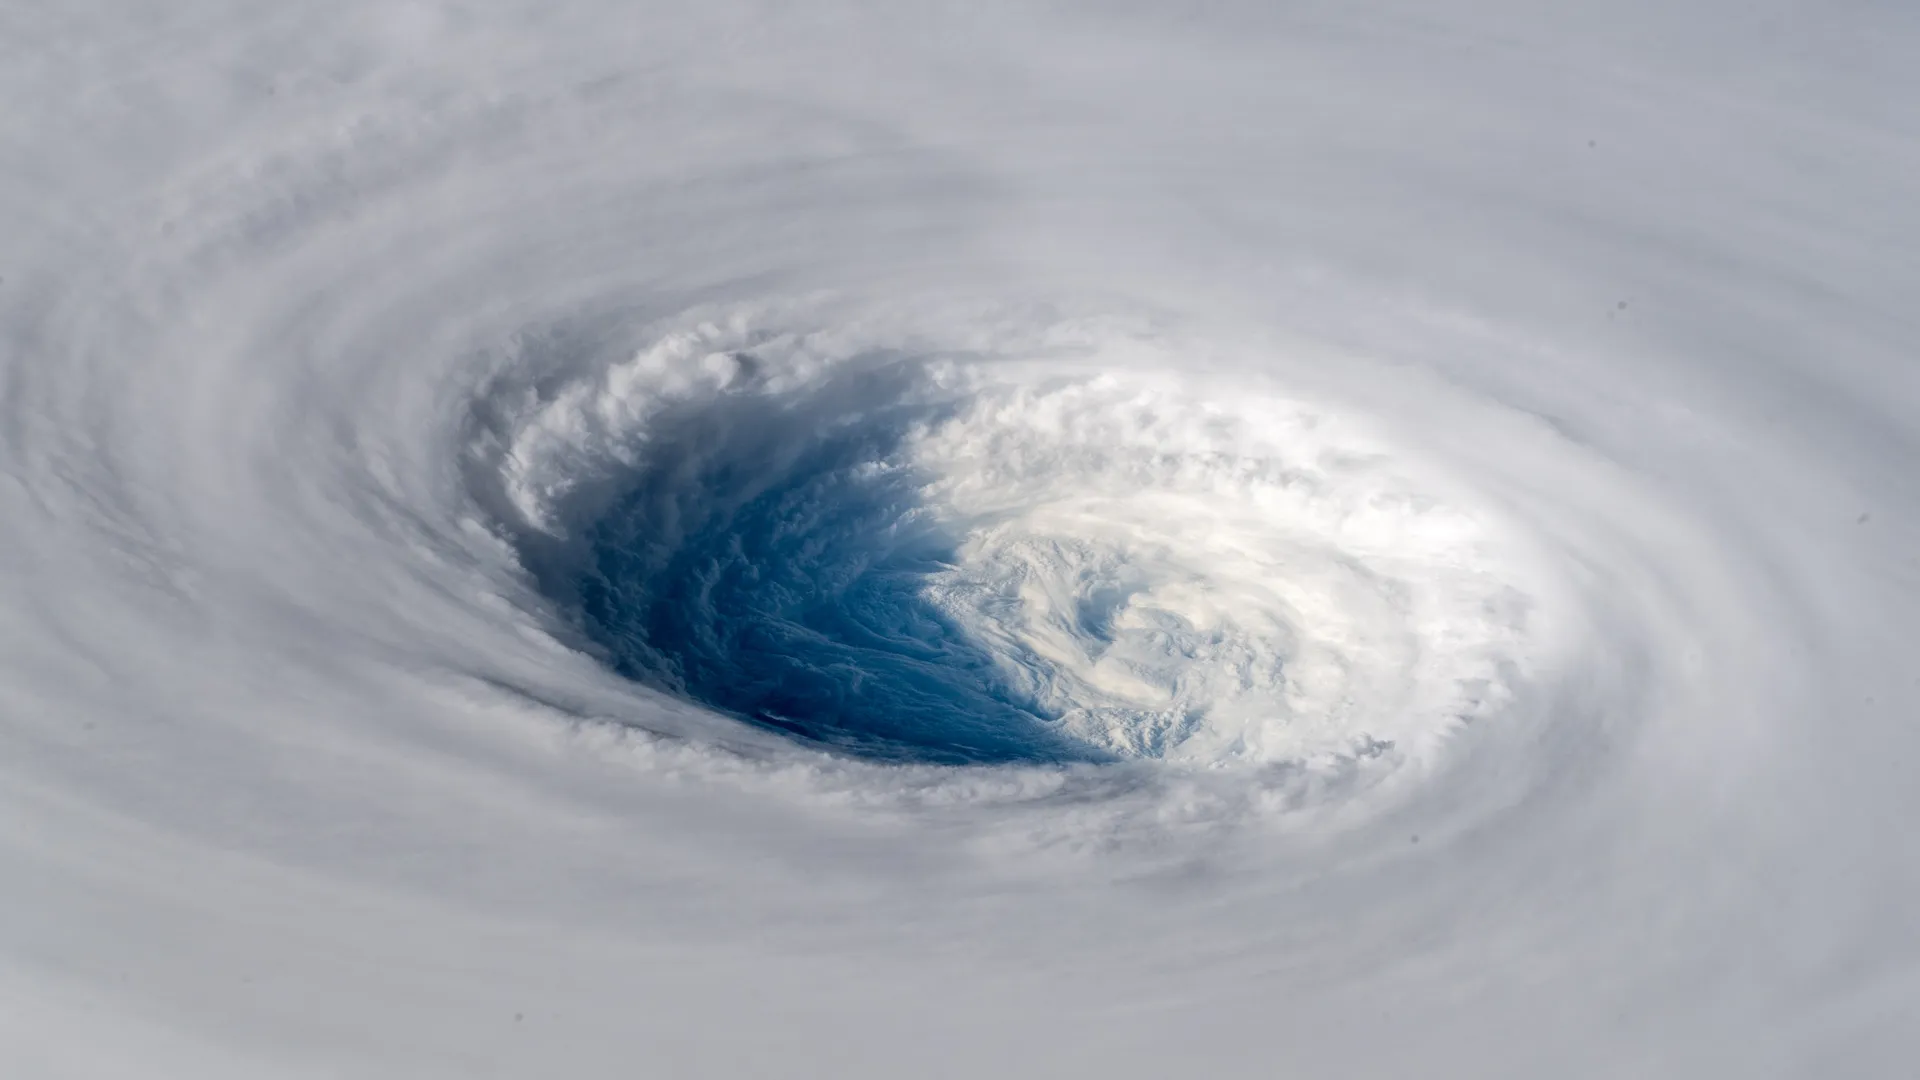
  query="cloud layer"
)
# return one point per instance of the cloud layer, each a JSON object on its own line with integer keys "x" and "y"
{"x": 1009, "y": 539}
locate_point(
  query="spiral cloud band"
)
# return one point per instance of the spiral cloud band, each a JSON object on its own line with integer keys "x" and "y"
{"x": 943, "y": 540}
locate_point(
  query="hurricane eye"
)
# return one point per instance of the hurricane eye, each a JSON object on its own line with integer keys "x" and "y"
{"x": 950, "y": 559}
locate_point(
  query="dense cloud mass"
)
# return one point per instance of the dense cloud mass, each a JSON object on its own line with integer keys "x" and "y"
{"x": 933, "y": 539}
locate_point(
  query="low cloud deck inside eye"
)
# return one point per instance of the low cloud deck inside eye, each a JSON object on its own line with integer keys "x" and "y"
{"x": 768, "y": 561}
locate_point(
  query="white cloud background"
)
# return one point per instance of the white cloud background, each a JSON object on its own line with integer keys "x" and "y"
{"x": 301, "y": 778}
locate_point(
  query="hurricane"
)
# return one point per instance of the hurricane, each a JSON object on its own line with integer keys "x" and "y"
{"x": 1014, "y": 539}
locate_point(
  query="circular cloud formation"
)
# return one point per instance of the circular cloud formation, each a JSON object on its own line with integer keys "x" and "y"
{"x": 1017, "y": 540}
{"x": 1062, "y": 548}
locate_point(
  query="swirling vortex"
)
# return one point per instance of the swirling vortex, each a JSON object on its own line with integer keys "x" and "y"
{"x": 1058, "y": 552}
{"x": 830, "y": 519}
